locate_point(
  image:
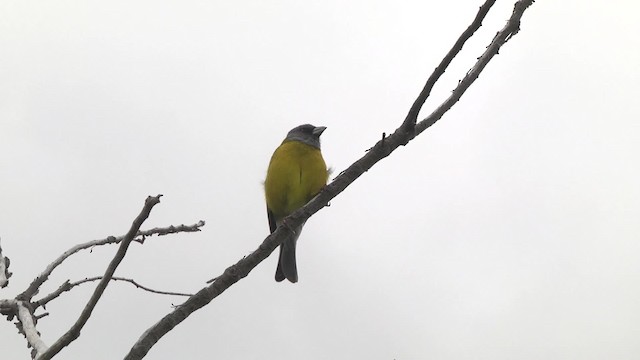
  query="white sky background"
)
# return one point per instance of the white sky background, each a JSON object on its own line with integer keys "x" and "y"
{"x": 508, "y": 230}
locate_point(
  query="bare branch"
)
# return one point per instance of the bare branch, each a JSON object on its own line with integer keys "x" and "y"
{"x": 34, "y": 287}
{"x": 510, "y": 29}
{"x": 379, "y": 151}
{"x": 67, "y": 285}
{"x": 74, "y": 331}
{"x": 4, "y": 270}
{"x": 410, "y": 121}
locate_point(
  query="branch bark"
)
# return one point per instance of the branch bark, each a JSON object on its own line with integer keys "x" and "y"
{"x": 379, "y": 151}
{"x": 28, "y": 323}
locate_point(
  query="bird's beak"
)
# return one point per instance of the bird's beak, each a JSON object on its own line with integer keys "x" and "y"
{"x": 318, "y": 130}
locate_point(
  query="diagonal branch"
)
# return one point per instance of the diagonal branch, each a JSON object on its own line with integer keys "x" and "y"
{"x": 74, "y": 331}
{"x": 34, "y": 287}
{"x": 68, "y": 285}
{"x": 378, "y": 152}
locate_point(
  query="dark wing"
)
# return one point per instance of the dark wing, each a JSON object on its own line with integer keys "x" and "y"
{"x": 272, "y": 221}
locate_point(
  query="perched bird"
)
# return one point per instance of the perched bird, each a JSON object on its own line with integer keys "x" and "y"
{"x": 297, "y": 172}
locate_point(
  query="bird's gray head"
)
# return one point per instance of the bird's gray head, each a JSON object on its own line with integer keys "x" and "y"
{"x": 307, "y": 134}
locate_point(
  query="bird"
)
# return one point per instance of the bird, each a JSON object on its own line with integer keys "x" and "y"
{"x": 296, "y": 173}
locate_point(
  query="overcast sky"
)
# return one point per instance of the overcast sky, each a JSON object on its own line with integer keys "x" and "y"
{"x": 509, "y": 230}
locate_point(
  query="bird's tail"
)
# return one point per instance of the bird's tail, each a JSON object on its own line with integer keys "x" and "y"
{"x": 287, "y": 268}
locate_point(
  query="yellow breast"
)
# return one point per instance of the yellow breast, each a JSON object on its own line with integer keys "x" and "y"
{"x": 297, "y": 172}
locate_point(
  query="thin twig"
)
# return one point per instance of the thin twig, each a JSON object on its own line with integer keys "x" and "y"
{"x": 74, "y": 331}
{"x": 242, "y": 268}
{"x": 34, "y": 287}
{"x": 67, "y": 285}
{"x": 131, "y": 281}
